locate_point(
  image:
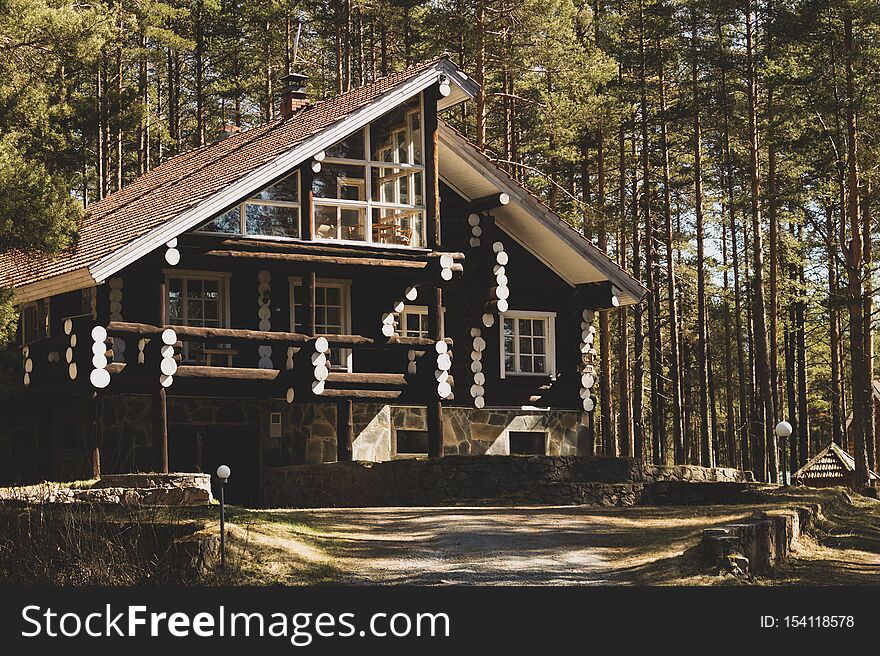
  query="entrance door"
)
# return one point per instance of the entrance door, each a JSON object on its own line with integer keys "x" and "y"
{"x": 200, "y": 448}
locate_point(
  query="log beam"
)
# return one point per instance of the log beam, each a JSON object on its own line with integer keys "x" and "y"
{"x": 344, "y": 430}
{"x": 432, "y": 160}
{"x": 322, "y": 259}
{"x": 198, "y": 333}
{"x": 597, "y": 295}
{"x": 160, "y": 429}
{"x": 486, "y": 203}
{"x": 434, "y": 407}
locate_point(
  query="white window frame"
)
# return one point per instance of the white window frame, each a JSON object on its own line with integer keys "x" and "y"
{"x": 242, "y": 213}
{"x": 550, "y": 342}
{"x": 368, "y": 205}
{"x": 345, "y": 297}
{"x": 223, "y": 277}
{"x": 421, "y": 310}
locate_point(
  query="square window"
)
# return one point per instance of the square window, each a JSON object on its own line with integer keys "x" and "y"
{"x": 527, "y": 345}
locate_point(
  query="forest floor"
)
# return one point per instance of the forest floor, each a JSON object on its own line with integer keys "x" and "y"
{"x": 538, "y": 545}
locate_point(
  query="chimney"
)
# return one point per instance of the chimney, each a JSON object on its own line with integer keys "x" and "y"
{"x": 293, "y": 93}
{"x": 228, "y": 130}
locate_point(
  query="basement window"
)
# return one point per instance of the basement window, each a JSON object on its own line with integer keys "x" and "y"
{"x": 411, "y": 443}
{"x": 528, "y": 443}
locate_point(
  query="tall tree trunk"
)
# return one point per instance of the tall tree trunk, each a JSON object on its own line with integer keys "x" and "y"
{"x": 671, "y": 288}
{"x": 867, "y": 313}
{"x": 638, "y": 386}
{"x": 803, "y": 422}
{"x": 611, "y": 446}
{"x": 144, "y": 122}
{"x": 624, "y": 421}
{"x": 743, "y": 405}
{"x": 654, "y": 337}
{"x": 834, "y": 330}
{"x": 480, "y": 74}
{"x": 862, "y": 428}
{"x": 706, "y": 447}
{"x": 766, "y": 418}
{"x": 199, "y": 63}
{"x": 730, "y": 413}
{"x": 100, "y": 164}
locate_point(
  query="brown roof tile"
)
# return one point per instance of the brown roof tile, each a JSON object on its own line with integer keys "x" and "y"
{"x": 189, "y": 178}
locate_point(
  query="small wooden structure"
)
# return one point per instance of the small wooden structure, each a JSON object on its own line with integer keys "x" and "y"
{"x": 831, "y": 466}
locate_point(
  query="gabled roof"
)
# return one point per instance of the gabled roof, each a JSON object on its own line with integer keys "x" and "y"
{"x": 190, "y": 189}
{"x": 194, "y": 186}
{"x": 831, "y": 462}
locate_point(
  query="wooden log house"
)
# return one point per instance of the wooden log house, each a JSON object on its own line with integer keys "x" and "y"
{"x": 352, "y": 280}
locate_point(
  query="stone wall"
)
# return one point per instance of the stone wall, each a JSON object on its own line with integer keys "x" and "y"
{"x": 519, "y": 479}
{"x": 174, "y": 489}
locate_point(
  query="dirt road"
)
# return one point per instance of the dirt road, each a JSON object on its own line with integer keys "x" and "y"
{"x": 491, "y": 545}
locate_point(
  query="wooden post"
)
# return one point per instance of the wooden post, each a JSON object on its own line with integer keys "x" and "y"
{"x": 432, "y": 163}
{"x": 344, "y": 430}
{"x": 160, "y": 429}
{"x": 435, "y": 405}
{"x": 159, "y": 401}
{"x": 44, "y": 424}
{"x": 308, "y": 303}
{"x": 307, "y": 222}
{"x": 94, "y": 429}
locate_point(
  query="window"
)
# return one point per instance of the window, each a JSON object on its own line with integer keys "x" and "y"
{"x": 197, "y": 299}
{"x": 528, "y": 344}
{"x": 272, "y": 212}
{"x": 414, "y": 321}
{"x": 410, "y": 443}
{"x": 332, "y": 303}
{"x": 371, "y": 186}
{"x": 527, "y": 443}
{"x": 34, "y": 321}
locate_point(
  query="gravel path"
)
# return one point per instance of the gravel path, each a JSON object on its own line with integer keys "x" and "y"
{"x": 512, "y": 545}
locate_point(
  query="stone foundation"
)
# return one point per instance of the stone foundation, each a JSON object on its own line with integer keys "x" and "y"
{"x": 553, "y": 480}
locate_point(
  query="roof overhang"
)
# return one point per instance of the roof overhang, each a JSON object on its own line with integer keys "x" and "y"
{"x": 531, "y": 223}
{"x": 67, "y": 282}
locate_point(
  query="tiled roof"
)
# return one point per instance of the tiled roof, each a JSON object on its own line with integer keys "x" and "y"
{"x": 830, "y": 463}
{"x": 189, "y": 178}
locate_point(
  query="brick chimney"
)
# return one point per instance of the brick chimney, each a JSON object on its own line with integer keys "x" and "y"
{"x": 293, "y": 93}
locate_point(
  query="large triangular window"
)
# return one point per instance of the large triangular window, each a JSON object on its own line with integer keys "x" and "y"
{"x": 272, "y": 212}
{"x": 371, "y": 184}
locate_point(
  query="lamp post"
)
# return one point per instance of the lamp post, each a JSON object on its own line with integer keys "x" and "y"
{"x": 783, "y": 431}
{"x": 223, "y": 473}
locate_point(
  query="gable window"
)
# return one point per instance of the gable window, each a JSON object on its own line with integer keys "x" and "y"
{"x": 528, "y": 344}
{"x": 272, "y": 212}
{"x": 34, "y": 321}
{"x": 332, "y": 314}
{"x": 197, "y": 299}
{"x": 371, "y": 186}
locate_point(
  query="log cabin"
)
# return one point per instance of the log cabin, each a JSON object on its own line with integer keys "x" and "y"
{"x": 354, "y": 280}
